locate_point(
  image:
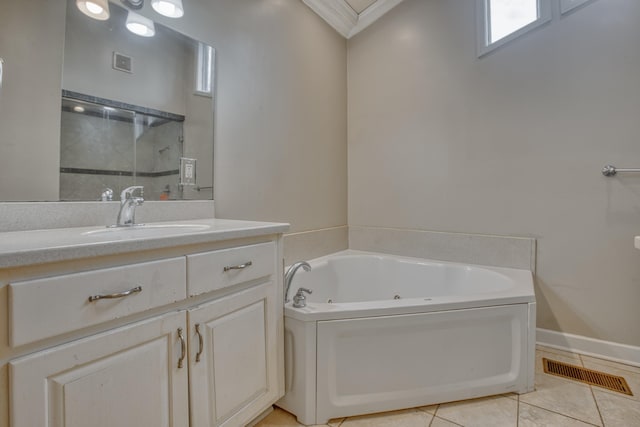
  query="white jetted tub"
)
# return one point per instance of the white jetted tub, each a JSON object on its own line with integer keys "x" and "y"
{"x": 382, "y": 332}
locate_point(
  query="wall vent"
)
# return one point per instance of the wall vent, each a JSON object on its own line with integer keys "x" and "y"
{"x": 122, "y": 62}
{"x": 597, "y": 378}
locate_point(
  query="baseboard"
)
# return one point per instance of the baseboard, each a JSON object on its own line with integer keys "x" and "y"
{"x": 621, "y": 353}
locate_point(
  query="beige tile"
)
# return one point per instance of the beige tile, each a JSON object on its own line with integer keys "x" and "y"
{"x": 439, "y": 422}
{"x": 565, "y": 397}
{"x": 431, "y": 409}
{"x": 408, "y": 418}
{"x": 632, "y": 378}
{"x": 531, "y": 416}
{"x": 280, "y": 418}
{"x": 593, "y": 360}
{"x": 618, "y": 411}
{"x": 336, "y": 422}
{"x": 499, "y": 251}
{"x": 489, "y": 411}
{"x": 315, "y": 243}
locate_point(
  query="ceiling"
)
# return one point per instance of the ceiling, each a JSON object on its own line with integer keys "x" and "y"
{"x": 349, "y": 17}
{"x": 360, "y": 5}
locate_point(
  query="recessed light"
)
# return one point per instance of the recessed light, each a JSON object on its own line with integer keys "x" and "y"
{"x": 78, "y": 109}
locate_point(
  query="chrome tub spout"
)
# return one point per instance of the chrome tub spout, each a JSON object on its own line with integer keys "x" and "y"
{"x": 288, "y": 276}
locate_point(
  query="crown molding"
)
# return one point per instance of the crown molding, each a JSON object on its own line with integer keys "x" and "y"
{"x": 344, "y": 19}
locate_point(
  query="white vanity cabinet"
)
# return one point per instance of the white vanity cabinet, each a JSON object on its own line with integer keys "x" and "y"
{"x": 124, "y": 377}
{"x": 201, "y": 345}
{"x": 234, "y": 340}
{"x": 233, "y": 363}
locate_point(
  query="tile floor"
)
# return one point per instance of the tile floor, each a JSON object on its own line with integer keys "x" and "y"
{"x": 555, "y": 402}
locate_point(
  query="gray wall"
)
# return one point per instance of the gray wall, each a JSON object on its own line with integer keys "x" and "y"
{"x": 509, "y": 144}
{"x": 281, "y": 122}
{"x": 31, "y": 43}
{"x": 160, "y": 64}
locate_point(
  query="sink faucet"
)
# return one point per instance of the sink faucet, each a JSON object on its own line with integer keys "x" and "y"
{"x": 288, "y": 276}
{"x": 128, "y": 204}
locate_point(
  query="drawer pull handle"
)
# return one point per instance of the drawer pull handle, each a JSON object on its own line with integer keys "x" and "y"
{"x": 117, "y": 295}
{"x": 183, "y": 348}
{"x": 239, "y": 267}
{"x": 200, "y": 342}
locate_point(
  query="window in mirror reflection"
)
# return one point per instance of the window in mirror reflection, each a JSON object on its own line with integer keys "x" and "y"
{"x": 204, "y": 69}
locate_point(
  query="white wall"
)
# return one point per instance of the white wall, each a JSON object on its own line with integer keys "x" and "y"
{"x": 509, "y": 144}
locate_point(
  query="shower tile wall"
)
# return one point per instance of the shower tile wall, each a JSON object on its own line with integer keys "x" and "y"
{"x": 159, "y": 150}
{"x": 90, "y": 142}
{"x": 93, "y": 143}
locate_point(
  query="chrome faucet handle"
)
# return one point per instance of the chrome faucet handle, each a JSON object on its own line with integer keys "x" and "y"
{"x": 299, "y": 300}
{"x": 127, "y": 193}
{"x": 107, "y": 195}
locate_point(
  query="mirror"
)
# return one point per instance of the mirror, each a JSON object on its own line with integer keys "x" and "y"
{"x": 135, "y": 111}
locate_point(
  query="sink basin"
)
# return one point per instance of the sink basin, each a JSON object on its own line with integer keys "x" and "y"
{"x": 147, "y": 230}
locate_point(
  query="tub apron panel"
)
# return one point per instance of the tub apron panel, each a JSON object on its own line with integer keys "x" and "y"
{"x": 384, "y": 363}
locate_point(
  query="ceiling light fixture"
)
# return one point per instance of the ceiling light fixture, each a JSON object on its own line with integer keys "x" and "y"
{"x": 96, "y": 9}
{"x": 78, "y": 109}
{"x": 140, "y": 25}
{"x": 168, "y": 8}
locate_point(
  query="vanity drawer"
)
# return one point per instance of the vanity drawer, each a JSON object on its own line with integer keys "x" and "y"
{"x": 214, "y": 270}
{"x": 52, "y": 306}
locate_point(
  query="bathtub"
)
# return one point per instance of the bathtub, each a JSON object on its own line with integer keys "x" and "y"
{"x": 383, "y": 332}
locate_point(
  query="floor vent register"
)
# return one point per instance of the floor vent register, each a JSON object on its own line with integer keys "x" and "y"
{"x": 588, "y": 376}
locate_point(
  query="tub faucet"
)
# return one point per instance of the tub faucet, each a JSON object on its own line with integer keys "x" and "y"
{"x": 299, "y": 300}
{"x": 288, "y": 276}
{"x": 128, "y": 204}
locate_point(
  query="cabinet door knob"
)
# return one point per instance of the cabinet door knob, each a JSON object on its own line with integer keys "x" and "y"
{"x": 238, "y": 267}
{"x": 200, "y": 342}
{"x": 183, "y": 348}
{"x": 116, "y": 295}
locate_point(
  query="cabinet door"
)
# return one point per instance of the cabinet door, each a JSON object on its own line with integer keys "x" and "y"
{"x": 125, "y": 377}
{"x": 235, "y": 378}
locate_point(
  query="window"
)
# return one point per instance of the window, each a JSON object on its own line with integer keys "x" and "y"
{"x": 500, "y": 21}
{"x": 204, "y": 70}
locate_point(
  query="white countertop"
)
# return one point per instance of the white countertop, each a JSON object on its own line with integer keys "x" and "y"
{"x": 21, "y": 248}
